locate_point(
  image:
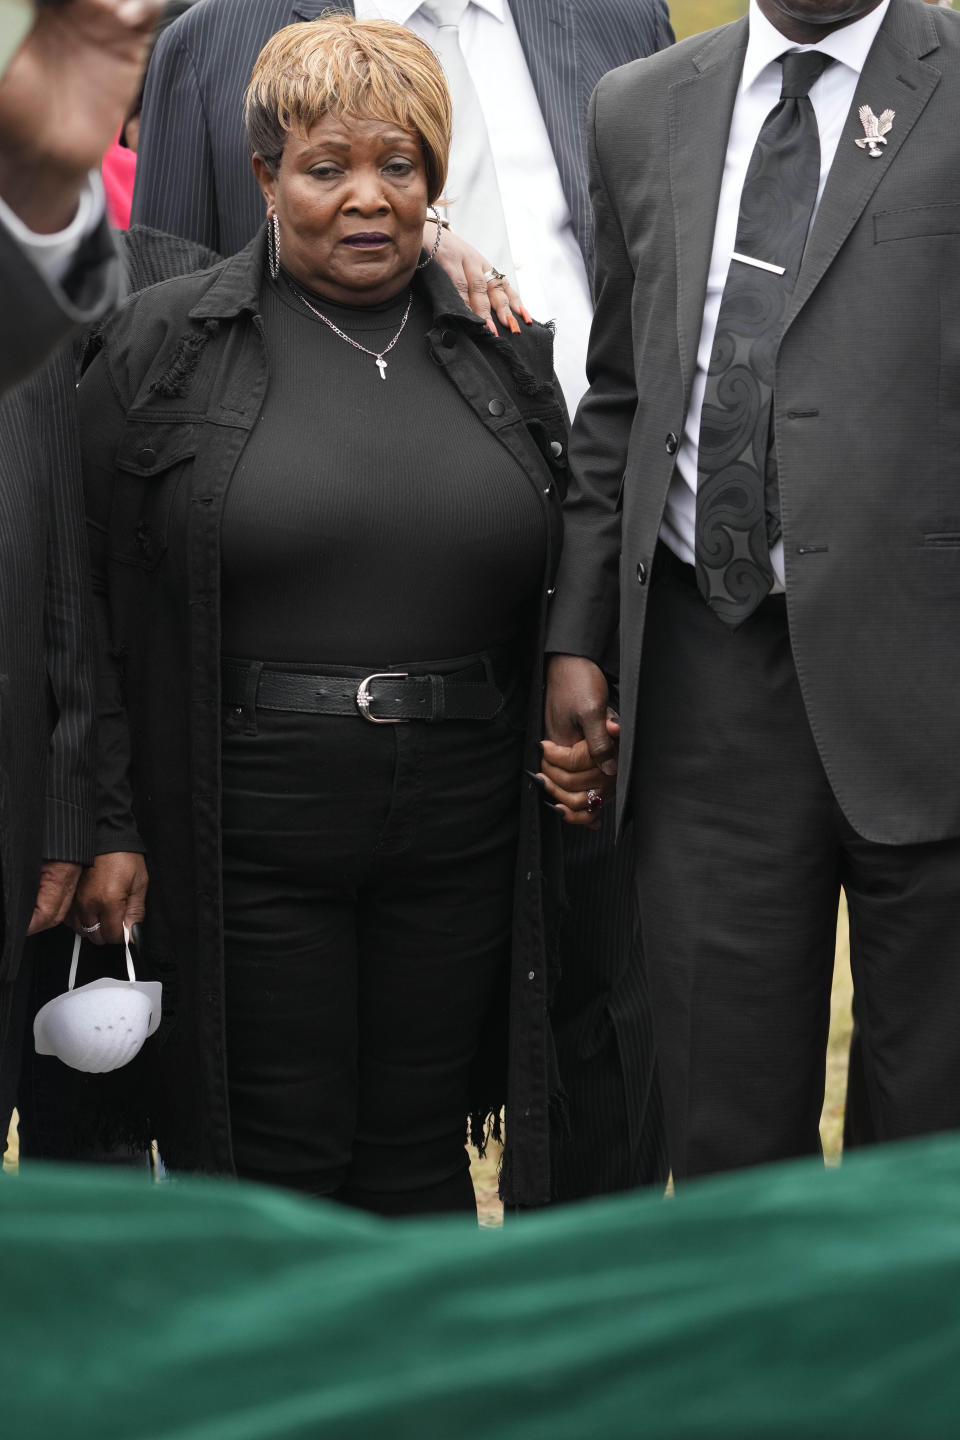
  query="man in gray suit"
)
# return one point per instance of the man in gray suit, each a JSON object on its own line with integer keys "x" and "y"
{"x": 766, "y": 497}
{"x": 194, "y": 179}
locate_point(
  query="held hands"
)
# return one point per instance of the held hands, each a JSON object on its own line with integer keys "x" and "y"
{"x": 111, "y": 894}
{"x": 466, "y": 268}
{"x": 62, "y": 99}
{"x": 580, "y": 744}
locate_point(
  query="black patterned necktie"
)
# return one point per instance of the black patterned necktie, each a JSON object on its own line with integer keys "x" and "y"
{"x": 738, "y": 517}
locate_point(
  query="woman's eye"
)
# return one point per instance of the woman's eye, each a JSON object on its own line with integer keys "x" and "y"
{"x": 398, "y": 167}
{"x": 324, "y": 172}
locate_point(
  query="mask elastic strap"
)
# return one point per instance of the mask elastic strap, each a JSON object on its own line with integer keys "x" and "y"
{"x": 74, "y": 959}
{"x": 131, "y": 973}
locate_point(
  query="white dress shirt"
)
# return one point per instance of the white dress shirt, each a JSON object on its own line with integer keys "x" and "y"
{"x": 551, "y": 275}
{"x": 53, "y": 254}
{"x": 831, "y": 97}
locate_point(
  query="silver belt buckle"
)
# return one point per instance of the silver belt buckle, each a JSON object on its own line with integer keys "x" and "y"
{"x": 364, "y": 697}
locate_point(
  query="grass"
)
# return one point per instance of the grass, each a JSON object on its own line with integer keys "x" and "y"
{"x": 484, "y": 1171}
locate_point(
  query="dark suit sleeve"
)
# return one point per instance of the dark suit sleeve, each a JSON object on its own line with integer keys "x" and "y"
{"x": 38, "y": 315}
{"x": 585, "y": 605}
{"x": 102, "y": 417}
{"x": 175, "y": 188}
{"x": 68, "y": 815}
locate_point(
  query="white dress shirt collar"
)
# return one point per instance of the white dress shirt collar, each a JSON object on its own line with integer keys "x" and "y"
{"x": 848, "y": 45}
{"x": 400, "y": 10}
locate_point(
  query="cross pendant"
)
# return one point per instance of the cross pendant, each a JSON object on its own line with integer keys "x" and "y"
{"x": 382, "y": 367}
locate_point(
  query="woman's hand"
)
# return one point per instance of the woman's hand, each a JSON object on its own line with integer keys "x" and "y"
{"x": 111, "y": 894}
{"x": 580, "y": 745}
{"x": 466, "y": 268}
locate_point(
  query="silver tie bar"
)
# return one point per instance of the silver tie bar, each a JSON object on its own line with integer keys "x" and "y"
{"x": 760, "y": 264}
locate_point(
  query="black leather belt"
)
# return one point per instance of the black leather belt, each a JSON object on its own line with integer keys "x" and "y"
{"x": 383, "y": 697}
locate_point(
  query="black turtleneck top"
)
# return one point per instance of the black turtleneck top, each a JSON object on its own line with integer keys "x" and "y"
{"x": 371, "y": 521}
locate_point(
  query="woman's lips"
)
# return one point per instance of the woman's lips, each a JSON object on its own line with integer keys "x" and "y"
{"x": 366, "y": 240}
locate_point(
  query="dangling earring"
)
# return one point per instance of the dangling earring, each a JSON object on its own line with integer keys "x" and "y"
{"x": 441, "y": 226}
{"x": 273, "y": 245}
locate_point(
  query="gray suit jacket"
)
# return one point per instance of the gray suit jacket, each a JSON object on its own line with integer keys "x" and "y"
{"x": 867, "y": 403}
{"x": 193, "y": 172}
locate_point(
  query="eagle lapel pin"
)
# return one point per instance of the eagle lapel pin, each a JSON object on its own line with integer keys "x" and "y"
{"x": 875, "y": 129}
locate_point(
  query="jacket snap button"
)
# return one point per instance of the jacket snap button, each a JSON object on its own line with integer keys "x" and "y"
{"x": 641, "y": 573}
{"x": 496, "y": 407}
{"x": 448, "y": 338}
{"x": 146, "y": 456}
{"x": 672, "y": 444}
{"x": 556, "y": 449}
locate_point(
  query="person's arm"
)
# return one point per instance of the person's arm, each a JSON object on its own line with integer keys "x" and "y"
{"x": 50, "y": 403}
{"x": 586, "y": 602}
{"x": 175, "y": 189}
{"x": 112, "y": 892}
{"x": 62, "y": 97}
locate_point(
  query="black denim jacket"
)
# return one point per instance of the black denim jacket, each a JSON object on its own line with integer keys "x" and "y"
{"x": 166, "y": 409}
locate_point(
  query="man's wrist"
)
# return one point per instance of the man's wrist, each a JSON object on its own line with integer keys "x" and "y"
{"x": 52, "y": 252}
{"x": 42, "y": 202}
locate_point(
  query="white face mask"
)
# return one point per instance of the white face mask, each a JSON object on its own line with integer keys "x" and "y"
{"x": 102, "y": 1025}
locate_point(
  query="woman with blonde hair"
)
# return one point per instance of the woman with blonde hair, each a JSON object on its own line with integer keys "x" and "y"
{"x": 324, "y": 515}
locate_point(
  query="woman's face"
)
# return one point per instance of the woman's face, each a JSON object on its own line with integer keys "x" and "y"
{"x": 351, "y": 199}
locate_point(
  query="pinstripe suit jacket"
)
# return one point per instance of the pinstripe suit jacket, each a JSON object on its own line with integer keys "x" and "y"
{"x": 46, "y": 676}
{"x": 193, "y": 172}
{"x": 46, "y": 703}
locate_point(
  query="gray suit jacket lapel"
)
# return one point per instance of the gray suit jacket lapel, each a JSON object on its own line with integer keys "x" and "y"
{"x": 699, "y": 111}
{"x": 895, "y": 77}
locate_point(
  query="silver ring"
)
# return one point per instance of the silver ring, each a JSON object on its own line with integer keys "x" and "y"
{"x": 89, "y": 929}
{"x": 594, "y": 801}
{"x": 493, "y": 274}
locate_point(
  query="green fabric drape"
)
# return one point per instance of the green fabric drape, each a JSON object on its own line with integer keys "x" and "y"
{"x": 780, "y": 1302}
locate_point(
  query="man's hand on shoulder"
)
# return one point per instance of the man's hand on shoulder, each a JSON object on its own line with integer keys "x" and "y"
{"x": 62, "y": 99}
{"x": 492, "y": 300}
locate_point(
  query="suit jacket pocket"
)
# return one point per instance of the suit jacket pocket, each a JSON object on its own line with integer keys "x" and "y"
{"x": 940, "y": 563}
{"x": 916, "y": 222}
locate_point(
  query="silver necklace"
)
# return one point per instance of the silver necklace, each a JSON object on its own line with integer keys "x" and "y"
{"x": 378, "y": 355}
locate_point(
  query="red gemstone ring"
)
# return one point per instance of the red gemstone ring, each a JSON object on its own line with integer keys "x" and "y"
{"x": 594, "y": 801}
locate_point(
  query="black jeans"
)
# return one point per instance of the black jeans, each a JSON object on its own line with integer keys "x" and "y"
{"x": 368, "y": 880}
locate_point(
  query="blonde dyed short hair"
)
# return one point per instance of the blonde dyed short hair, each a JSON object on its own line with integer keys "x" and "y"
{"x": 371, "y": 69}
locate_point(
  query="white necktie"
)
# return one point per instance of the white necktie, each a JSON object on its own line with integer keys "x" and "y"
{"x": 477, "y": 209}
